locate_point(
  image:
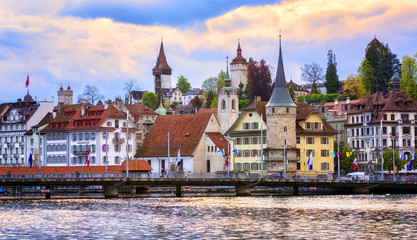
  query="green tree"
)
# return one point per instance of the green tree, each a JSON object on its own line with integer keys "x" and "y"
{"x": 332, "y": 83}
{"x": 409, "y": 76}
{"x": 314, "y": 89}
{"x": 210, "y": 85}
{"x": 354, "y": 88}
{"x": 346, "y": 162}
{"x": 300, "y": 98}
{"x": 387, "y": 67}
{"x": 214, "y": 103}
{"x": 183, "y": 85}
{"x": 150, "y": 100}
{"x": 220, "y": 81}
{"x": 196, "y": 102}
{"x": 243, "y": 103}
{"x": 307, "y": 98}
{"x": 367, "y": 76}
{"x": 388, "y": 164}
{"x": 210, "y": 98}
{"x": 291, "y": 91}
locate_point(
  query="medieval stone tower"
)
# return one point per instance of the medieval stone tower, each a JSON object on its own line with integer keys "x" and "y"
{"x": 162, "y": 72}
{"x": 65, "y": 96}
{"x": 227, "y": 105}
{"x": 238, "y": 69}
{"x": 281, "y": 117}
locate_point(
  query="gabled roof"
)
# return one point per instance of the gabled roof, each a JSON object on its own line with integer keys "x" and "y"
{"x": 258, "y": 106}
{"x": 219, "y": 140}
{"x": 185, "y": 131}
{"x": 208, "y": 110}
{"x": 65, "y": 117}
{"x": 137, "y": 110}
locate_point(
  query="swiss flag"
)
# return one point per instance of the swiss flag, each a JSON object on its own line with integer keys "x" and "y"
{"x": 355, "y": 162}
{"x": 27, "y": 81}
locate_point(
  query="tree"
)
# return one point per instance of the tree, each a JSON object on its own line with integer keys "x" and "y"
{"x": 196, "y": 102}
{"x": 150, "y": 100}
{"x": 354, "y": 88}
{"x": 220, "y": 81}
{"x": 291, "y": 91}
{"x": 300, "y": 98}
{"x": 332, "y": 83}
{"x": 388, "y": 163}
{"x": 210, "y": 85}
{"x": 346, "y": 162}
{"x": 260, "y": 80}
{"x": 99, "y": 102}
{"x": 243, "y": 103}
{"x": 210, "y": 98}
{"x": 90, "y": 95}
{"x": 314, "y": 89}
{"x": 409, "y": 76}
{"x": 387, "y": 67}
{"x": 129, "y": 87}
{"x": 214, "y": 103}
{"x": 367, "y": 76}
{"x": 312, "y": 72}
{"x": 183, "y": 85}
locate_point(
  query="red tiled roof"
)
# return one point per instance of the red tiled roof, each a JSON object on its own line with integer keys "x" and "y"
{"x": 136, "y": 110}
{"x": 208, "y": 110}
{"x": 65, "y": 116}
{"x": 184, "y": 130}
{"x": 219, "y": 140}
{"x": 136, "y": 165}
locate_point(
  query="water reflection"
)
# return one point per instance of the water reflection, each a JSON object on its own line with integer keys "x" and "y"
{"x": 304, "y": 217}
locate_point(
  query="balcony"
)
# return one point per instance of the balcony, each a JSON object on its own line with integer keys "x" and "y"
{"x": 16, "y": 155}
{"x": 10, "y": 144}
{"x": 118, "y": 140}
{"x": 21, "y": 144}
{"x": 5, "y": 156}
{"x": 80, "y": 152}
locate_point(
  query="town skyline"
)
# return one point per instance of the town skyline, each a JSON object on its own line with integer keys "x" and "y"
{"x": 80, "y": 43}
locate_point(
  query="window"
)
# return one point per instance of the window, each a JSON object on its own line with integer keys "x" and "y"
{"x": 392, "y": 117}
{"x": 406, "y": 130}
{"x": 223, "y": 105}
{"x": 117, "y": 148}
{"x": 298, "y": 140}
{"x": 324, "y": 140}
{"x": 238, "y": 141}
{"x": 254, "y": 140}
{"x": 298, "y": 166}
{"x": 384, "y": 130}
{"x": 247, "y": 141}
{"x": 246, "y": 126}
{"x": 255, "y": 125}
{"x": 238, "y": 166}
{"x": 288, "y": 110}
{"x": 404, "y": 116}
{"x": 233, "y": 105}
{"x": 324, "y": 153}
{"x": 108, "y": 123}
{"x": 116, "y": 123}
{"x": 310, "y": 140}
{"x": 325, "y": 166}
{"x": 117, "y": 160}
{"x": 385, "y": 117}
{"x": 285, "y": 129}
{"x": 246, "y": 167}
{"x": 254, "y": 166}
{"x": 309, "y": 151}
{"x": 246, "y": 153}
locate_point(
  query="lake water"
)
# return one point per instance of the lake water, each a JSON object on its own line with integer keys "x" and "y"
{"x": 302, "y": 217}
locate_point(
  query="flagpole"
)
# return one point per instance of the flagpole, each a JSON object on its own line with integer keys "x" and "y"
{"x": 228, "y": 153}
{"x": 285, "y": 162}
{"x": 169, "y": 158}
{"x": 127, "y": 144}
{"x": 107, "y": 160}
{"x": 393, "y": 157}
{"x": 39, "y": 151}
{"x": 382, "y": 153}
{"x": 338, "y": 156}
{"x": 262, "y": 151}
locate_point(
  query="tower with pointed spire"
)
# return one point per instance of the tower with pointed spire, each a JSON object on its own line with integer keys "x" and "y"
{"x": 281, "y": 116}
{"x": 162, "y": 71}
{"x": 238, "y": 68}
{"x": 227, "y": 104}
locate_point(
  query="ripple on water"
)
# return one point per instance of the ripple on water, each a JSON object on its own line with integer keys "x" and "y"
{"x": 304, "y": 217}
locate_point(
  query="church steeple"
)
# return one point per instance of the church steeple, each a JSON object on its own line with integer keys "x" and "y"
{"x": 161, "y": 62}
{"x": 227, "y": 80}
{"x": 280, "y": 96}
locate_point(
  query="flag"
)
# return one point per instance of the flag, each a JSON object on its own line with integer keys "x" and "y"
{"x": 337, "y": 154}
{"x": 221, "y": 150}
{"x": 310, "y": 161}
{"x": 350, "y": 153}
{"x": 347, "y": 154}
{"x": 88, "y": 157}
{"x": 178, "y": 160}
{"x": 401, "y": 157}
{"x": 235, "y": 150}
{"x": 334, "y": 154}
{"x": 405, "y": 157}
{"x": 104, "y": 148}
{"x": 30, "y": 160}
{"x": 227, "y": 161}
{"x": 27, "y": 81}
{"x": 410, "y": 165}
{"x": 355, "y": 162}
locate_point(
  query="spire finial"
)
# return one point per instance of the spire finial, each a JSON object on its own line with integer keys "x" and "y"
{"x": 162, "y": 38}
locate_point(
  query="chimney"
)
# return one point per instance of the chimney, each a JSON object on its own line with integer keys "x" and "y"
{"x": 53, "y": 99}
{"x": 105, "y": 105}
{"x": 336, "y": 101}
{"x": 82, "y": 110}
{"x": 347, "y": 100}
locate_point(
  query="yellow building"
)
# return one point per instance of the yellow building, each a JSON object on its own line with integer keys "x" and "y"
{"x": 314, "y": 135}
{"x": 245, "y": 137}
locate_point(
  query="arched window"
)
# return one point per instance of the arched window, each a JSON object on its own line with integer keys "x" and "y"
{"x": 223, "y": 104}
{"x": 208, "y": 166}
{"x": 233, "y": 105}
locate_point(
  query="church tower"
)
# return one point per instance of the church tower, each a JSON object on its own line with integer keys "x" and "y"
{"x": 238, "y": 69}
{"x": 281, "y": 117}
{"x": 64, "y": 96}
{"x": 228, "y": 104}
{"x": 162, "y": 72}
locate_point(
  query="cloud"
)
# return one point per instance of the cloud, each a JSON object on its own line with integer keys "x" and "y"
{"x": 56, "y": 45}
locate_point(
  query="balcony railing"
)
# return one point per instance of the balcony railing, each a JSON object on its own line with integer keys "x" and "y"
{"x": 80, "y": 152}
{"x": 16, "y": 155}
{"x": 10, "y": 144}
{"x": 21, "y": 143}
{"x": 118, "y": 140}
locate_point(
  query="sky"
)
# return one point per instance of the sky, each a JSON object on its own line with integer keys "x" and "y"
{"x": 106, "y": 43}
